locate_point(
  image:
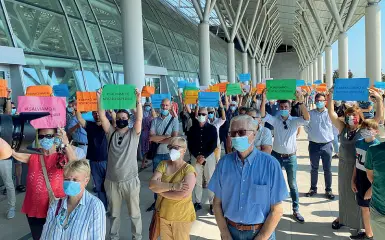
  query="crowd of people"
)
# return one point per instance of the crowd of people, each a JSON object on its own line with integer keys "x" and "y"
{"x": 246, "y": 186}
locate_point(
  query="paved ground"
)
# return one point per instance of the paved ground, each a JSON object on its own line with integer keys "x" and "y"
{"x": 318, "y": 211}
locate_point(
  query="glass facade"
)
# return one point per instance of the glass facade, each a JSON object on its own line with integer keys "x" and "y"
{"x": 79, "y": 42}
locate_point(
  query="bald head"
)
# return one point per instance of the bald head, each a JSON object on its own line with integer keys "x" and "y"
{"x": 166, "y": 104}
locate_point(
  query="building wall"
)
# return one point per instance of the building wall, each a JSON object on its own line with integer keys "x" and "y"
{"x": 285, "y": 66}
{"x": 79, "y": 42}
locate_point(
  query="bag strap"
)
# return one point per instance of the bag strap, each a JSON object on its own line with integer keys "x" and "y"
{"x": 46, "y": 179}
{"x": 172, "y": 179}
{"x": 58, "y": 207}
{"x": 109, "y": 143}
{"x": 168, "y": 125}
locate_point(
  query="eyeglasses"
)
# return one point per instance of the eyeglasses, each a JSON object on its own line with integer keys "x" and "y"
{"x": 202, "y": 114}
{"x": 211, "y": 112}
{"x": 120, "y": 140}
{"x": 49, "y": 136}
{"x": 285, "y": 125}
{"x": 241, "y": 133}
{"x": 174, "y": 147}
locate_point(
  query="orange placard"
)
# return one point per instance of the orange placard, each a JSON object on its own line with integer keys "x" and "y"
{"x": 214, "y": 88}
{"x": 191, "y": 96}
{"x": 86, "y": 101}
{"x": 322, "y": 85}
{"x": 222, "y": 86}
{"x": 260, "y": 88}
{"x": 321, "y": 89}
{"x": 3, "y": 88}
{"x": 147, "y": 91}
{"x": 39, "y": 91}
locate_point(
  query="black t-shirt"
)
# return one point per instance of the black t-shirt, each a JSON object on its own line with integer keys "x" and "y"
{"x": 97, "y": 142}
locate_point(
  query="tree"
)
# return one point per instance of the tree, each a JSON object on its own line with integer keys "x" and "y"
{"x": 383, "y": 77}
{"x": 350, "y": 74}
{"x": 336, "y": 74}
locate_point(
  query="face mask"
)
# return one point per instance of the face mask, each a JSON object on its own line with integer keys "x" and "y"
{"x": 365, "y": 133}
{"x": 284, "y": 113}
{"x": 165, "y": 112}
{"x": 240, "y": 144}
{"x": 211, "y": 115}
{"x": 338, "y": 103}
{"x": 71, "y": 188}
{"x": 201, "y": 119}
{"x": 70, "y": 109}
{"x": 174, "y": 155}
{"x": 147, "y": 108}
{"x": 351, "y": 120}
{"x": 46, "y": 143}
{"x": 320, "y": 105}
{"x": 121, "y": 123}
{"x": 233, "y": 108}
{"x": 13, "y": 112}
{"x": 57, "y": 141}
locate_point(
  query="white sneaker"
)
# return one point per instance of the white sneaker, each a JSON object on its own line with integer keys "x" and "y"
{"x": 11, "y": 213}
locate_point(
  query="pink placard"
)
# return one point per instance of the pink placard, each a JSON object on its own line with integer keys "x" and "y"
{"x": 56, "y": 106}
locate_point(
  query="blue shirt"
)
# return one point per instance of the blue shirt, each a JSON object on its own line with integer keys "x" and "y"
{"x": 366, "y": 105}
{"x": 79, "y": 135}
{"x": 320, "y": 127}
{"x": 86, "y": 222}
{"x": 248, "y": 191}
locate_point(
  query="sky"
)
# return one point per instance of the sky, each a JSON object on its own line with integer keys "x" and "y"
{"x": 356, "y": 46}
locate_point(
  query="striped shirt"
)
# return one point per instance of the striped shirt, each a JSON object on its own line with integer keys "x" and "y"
{"x": 86, "y": 222}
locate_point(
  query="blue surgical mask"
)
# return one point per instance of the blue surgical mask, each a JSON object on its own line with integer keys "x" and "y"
{"x": 147, "y": 108}
{"x": 211, "y": 115}
{"x": 284, "y": 113}
{"x": 240, "y": 144}
{"x": 57, "y": 141}
{"x": 233, "y": 108}
{"x": 71, "y": 188}
{"x": 320, "y": 105}
{"x": 13, "y": 112}
{"x": 46, "y": 143}
{"x": 164, "y": 112}
{"x": 70, "y": 109}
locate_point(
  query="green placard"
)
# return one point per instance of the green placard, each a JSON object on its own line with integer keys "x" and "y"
{"x": 281, "y": 89}
{"x": 233, "y": 89}
{"x": 118, "y": 97}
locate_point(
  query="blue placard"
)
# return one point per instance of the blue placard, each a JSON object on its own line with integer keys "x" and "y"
{"x": 182, "y": 84}
{"x": 317, "y": 82}
{"x": 61, "y": 90}
{"x": 208, "y": 99}
{"x": 351, "y": 89}
{"x": 380, "y": 85}
{"x": 192, "y": 84}
{"x": 309, "y": 84}
{"x": 243, "y": 77}
{"x": 88, "y": 116}
{"x": 301, "y": 83}
{"x": 156, "y": 99}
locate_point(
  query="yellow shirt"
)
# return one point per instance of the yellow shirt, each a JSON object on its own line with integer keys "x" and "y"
{"x": 176, "y": 210}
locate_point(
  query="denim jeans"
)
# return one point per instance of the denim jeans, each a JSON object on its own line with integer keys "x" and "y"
{"x": 6, "y": 176}
{"x": 323, "y": 151}
{"x": 290, "y": 165}
{"x": 155, "y": 162}
{"x": 245, "y": 235}
{"x": 98, "y": 172}
{"x": 336, "y": 145}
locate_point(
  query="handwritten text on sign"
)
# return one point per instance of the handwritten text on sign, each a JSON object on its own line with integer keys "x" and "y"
{"x": 351, "y": 89}
{"x": 118, "y": 96}
{"x": 86, "y": 101}
{"x": 56, "y": 106}
{"x": 281, "y": 89}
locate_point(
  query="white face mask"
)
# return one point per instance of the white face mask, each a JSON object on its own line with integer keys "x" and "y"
{"x": 174, "y": 155}
{"x": 201, "y": 119}
{"x": 365, "y": 133}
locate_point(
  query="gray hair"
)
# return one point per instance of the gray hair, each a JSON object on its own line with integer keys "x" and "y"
{"x": 203, "y": 109}
{"x": 247, "y": 119}
{"x": 257, "y": 112}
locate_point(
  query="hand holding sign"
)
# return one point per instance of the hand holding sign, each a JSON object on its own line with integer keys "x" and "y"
{"x": 118, "y": 96}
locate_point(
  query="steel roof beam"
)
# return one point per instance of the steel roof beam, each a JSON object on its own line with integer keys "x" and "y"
{"x": 332, "y": 6}
{"x": 317, "y": 19}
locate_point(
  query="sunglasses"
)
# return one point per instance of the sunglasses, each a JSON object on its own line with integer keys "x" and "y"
{"x": 174, "y": 147}
{"x": 120, "y": 140}
{"x": 285, "y": 125}
{"x": 211, "y": 112}
{"x": 49, "y": 136}
{"x": 240, "y": 133}
{"x": 202, "y": 114}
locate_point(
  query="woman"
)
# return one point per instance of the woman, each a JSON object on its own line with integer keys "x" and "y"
{"x": 37, "y": 196}
{"x": 174, "y": 181}
{"x": 148, "y": 115}
{"x": 80, "y": 215}
{"x": 349, "y": 213}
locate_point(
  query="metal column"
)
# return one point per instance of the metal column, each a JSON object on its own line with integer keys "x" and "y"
{"x": 315, "y": 70}
{"x": 320, "y": 67}
{"x": 263, "y": 72}
{"x": 204, "y": 54}
{"x": 231, "y": 62}
{"x": 328, "y": 66}
{"x": 259, "y": 72}
{"x": 311, "y": 80}
{"x": 343, "y": 55}
{"x": 373, "y": 42}
{"x": 245, "y": 64}
{"x": 253, "y": 73}
{"x": 132, "y": 31}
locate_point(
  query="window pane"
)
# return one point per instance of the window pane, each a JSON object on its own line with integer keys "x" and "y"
{"x": 114, "y": 44}
{"x": 181, "y": 43}
{"x": 107, "y": 14}
{"x": 49, "y": 4}
{"x": 150, "y": 54}
{"x": 81, "y": 39}
{"x": 86, "y": 10}
{"x": 147, "y": 13}
{"x": 96, "y": 42}
{"x": 70, "y": 8}
{"x": 194, "y": 48}
{"x": 5, "y": 40}
{"x": 40, "y": 31}
{"x": 146, "y": 32}
{"x": 157, "y": 32}
{"x": 91, "y": 76}
{"x": 167, "y": 57}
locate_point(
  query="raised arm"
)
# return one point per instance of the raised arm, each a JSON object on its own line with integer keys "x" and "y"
{"x": 301, "y": 100}
{"x": 8, "y": 103}
{"x": 226, "y": 102}
{"x": 223, "y": 113}
{"x": 333, "y": 115}
{"x": 139, "y": 113}
{"x": 81, "y": 120}
{"x": 263, "y": 104}
{"x": 69, "y": 151}
{"x": 102, "y": 114}
{"x": 379, "y": 117}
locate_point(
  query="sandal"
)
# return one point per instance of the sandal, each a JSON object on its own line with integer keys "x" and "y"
{"x": 336, "y": 224}
{"x": 21, "y": 188}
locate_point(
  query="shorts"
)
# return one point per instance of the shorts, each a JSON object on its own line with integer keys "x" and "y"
{"x": 363, "y": 184}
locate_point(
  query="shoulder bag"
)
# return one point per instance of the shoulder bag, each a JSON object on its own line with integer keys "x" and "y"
{"x": 155, "y": 220}
{"x": 51, "y": 194}
{"x": 154, "y": 146}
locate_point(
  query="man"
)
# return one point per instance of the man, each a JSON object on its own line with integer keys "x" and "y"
{"x": 272, "y": 108}
{"x": 162, "y": 127}
{"x": 74, "y": 129}
{"x": 375, "y": 170}
{"x": 122, "y": 181}
{"x": 285, "y": 143}
{"x": 249, "y": 187}
{"x": 217, "y": 123}
{"x": 202, "y": 140}
{"x": 97, "y": 153}
{"x": 263, "y": 139}
{"x": 320, "y": 135}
